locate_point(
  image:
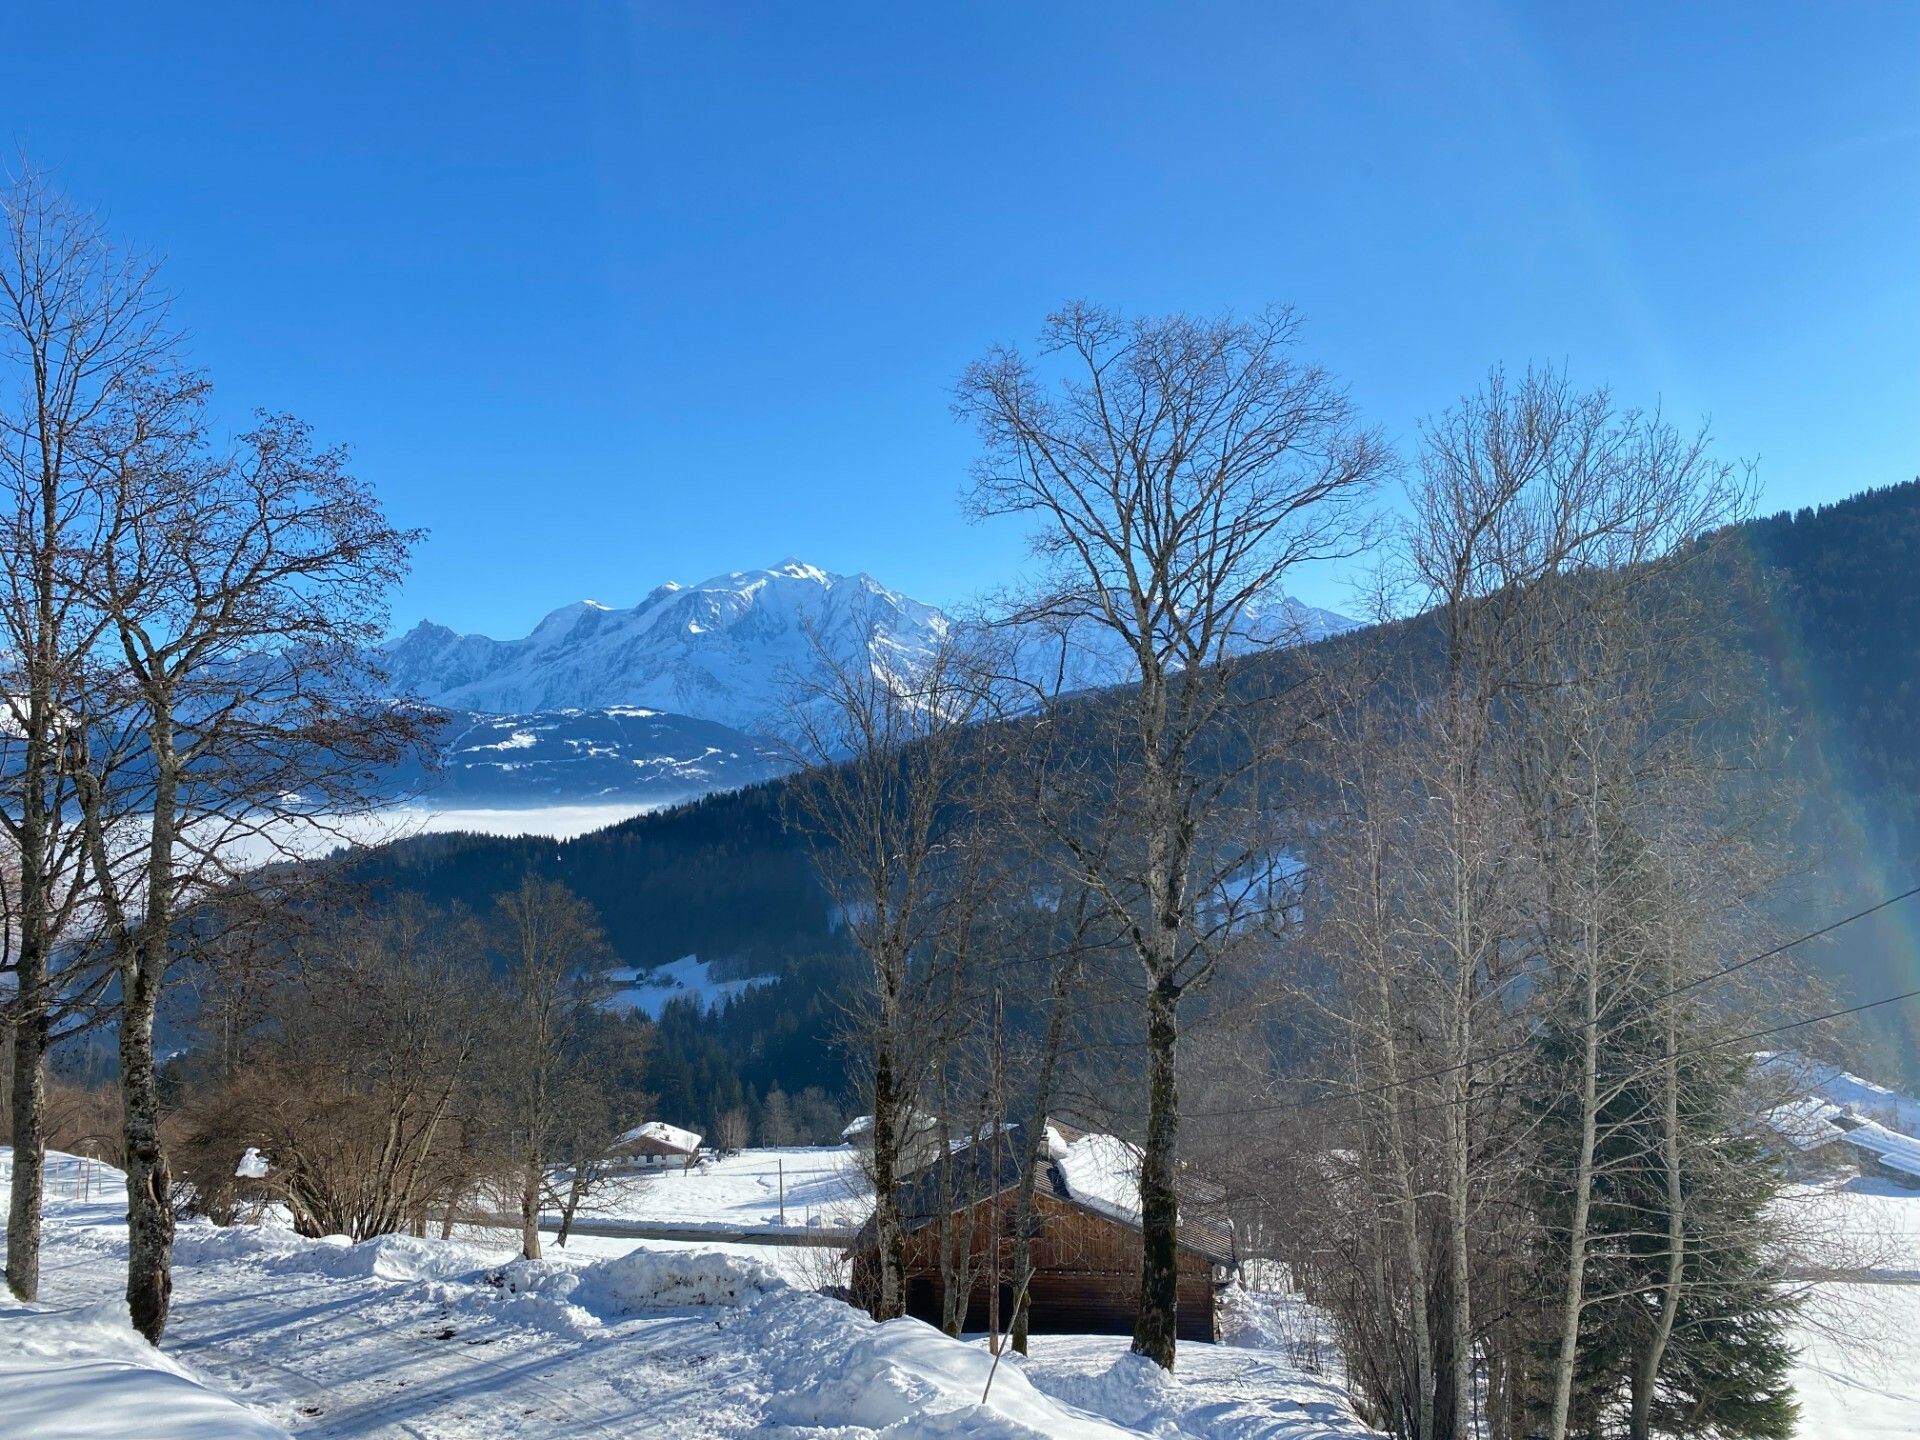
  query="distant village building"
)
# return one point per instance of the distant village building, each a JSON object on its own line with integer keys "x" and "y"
{"x": 658, "y": 1145}
{"x": 1087, "y": 1250}
{"x": 1812, "y": 1134}
{"x": 919, "y": 1146}
{"x": 1840, "y": 1118}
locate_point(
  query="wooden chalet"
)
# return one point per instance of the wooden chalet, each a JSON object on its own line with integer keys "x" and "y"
{"x": 658, "y": 1145}
{"x": 1086, "y": 1254}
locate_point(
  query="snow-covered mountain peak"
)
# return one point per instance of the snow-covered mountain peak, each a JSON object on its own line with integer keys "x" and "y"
{"x": 726, "y": 650}
{"x": 557, "y": 624}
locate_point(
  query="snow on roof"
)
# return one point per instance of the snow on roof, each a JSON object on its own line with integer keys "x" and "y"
{"x": 1102, "y": 1172}
{"x": 1892, "y": 1149}
{"x": 1806, "y": 1123}
{"x": 662, "y": 1133}
{"x": 1841, "y": 1106}
{"x": 1843, "y": 1088}
{"x": 861, "y": 1126}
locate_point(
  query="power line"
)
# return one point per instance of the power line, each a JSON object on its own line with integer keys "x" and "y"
{"x": 1360, "y": 1092}
{"x": 1787, "y": 945}
{"x": 1810, "y": 1020}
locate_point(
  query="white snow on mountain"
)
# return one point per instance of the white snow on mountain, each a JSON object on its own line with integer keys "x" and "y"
{"x": 727, "y": 650}
{"x": 723, "y": 650}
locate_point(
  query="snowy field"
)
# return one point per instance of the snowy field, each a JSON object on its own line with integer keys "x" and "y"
{"x": 689, "y": 977}
{"x": 1859, "y": 1367}
{"x": 822, "y": 1185}
{"x": 275, "y": 1335}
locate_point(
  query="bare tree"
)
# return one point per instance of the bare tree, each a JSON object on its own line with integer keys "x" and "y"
{"x": 1545, "y": 515}
{"x": 366, "y": 1075}
{"x": 881, "y": 805}
{"x": 83, "y": 336}
{"x": 556, "y": 959}
{"x": 732, "y": 1131}
{"x": 1522, "y": 869}
{"x": 243, "y": 593}
{"x": 606, "y": 1076}
{"x": 1176, "y": 473}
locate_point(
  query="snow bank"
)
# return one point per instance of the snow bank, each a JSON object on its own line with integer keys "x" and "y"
{"x": 402, "y": 1258}
{"x": 86, "y": 1375}
{"x": 822, "y": 1362}
{"x": 830, "y": 1365}
{"x": 555, "y": 1295}
{"x": 1133, "y": 1391}
{"x": 388, "y": 1257}
{"x": 661, "y": 1279}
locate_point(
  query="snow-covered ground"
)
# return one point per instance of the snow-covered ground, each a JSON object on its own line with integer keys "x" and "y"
{"x": 823, "y": 1186}
{"x": 275, "y": 1334}
{"x": 1859, "y": 1367}
{"x": 688, "y": 978}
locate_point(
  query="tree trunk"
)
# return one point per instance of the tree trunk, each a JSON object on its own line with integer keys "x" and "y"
{"x": 1646, "y": 1368}
{"x": 1408, "y": 1224}
{"x": 576, "y": 1193}
{"x": 1573, "y": 1302}
{"x": 142, "y": 969}
{"x": 29, "y": 1101}
{"x": 530, "y": 1212}
{"x": 1459, "y": 1340}
{"x": 1157, "y": 1326}
{"x": 1037, "y": 1155}
{"x": 889, "y": 1235}
{"x": 149, "y": 1183}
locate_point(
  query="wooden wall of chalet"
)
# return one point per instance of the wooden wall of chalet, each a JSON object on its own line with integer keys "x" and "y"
{"x": 1086, "y": 1274}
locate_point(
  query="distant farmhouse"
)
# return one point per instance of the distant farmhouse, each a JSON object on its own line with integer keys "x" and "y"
{"x": 658, "y": 1145}
{"x": 1841, "y": 1115}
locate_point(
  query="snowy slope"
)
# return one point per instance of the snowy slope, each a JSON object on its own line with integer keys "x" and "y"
{"x": 688, "y": 978}
{"x": 1858, "y": 1372}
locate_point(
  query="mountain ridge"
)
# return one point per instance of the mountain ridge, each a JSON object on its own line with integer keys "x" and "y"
{"x": 724, "y": 650}
{"x": 727, "y": 650}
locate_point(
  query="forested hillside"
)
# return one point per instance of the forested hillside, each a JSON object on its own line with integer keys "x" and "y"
{"x": 1835, "y": 627}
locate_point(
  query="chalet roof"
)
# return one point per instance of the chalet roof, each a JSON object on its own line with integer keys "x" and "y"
{"x": 1085, "y": 1173}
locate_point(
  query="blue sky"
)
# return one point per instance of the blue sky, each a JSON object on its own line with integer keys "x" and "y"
{"x": 605, "y": 295}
